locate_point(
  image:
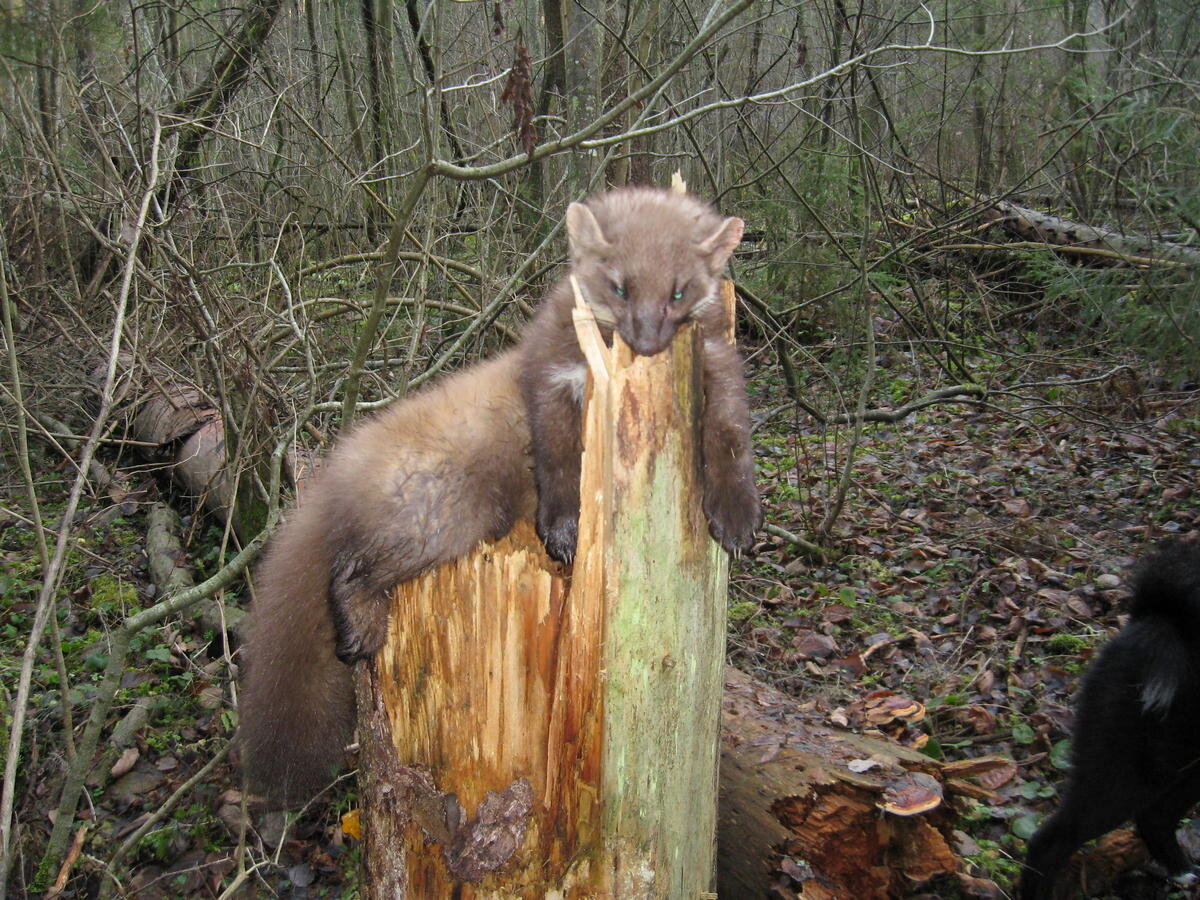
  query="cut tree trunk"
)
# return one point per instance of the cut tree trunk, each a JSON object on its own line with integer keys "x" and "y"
{"x": 528, "y": 733}
{"x": 1089, "y": 244}
{"x": 176, "y": 424}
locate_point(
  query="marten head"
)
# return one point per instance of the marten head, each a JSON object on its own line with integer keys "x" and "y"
{"x": 647, "y": 260}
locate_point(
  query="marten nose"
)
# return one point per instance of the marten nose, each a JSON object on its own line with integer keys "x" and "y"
{"x": 648, "y": 334}
{"x": 645, "y": 346}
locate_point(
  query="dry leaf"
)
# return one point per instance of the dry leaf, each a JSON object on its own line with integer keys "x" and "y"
{"x": 352, "y": 824}
{"x": 518, "y": 93}
{"x": 127, "y": 760}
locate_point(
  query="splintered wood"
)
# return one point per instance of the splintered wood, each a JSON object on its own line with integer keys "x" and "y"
{"x": 528, "y": 732}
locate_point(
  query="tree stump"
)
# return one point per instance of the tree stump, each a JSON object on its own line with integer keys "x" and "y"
{"x": 528, "y": 732}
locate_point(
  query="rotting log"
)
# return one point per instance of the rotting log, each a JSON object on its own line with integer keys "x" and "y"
{"x": 1099, "y": 867}
{"x": 525, "y": 732}
{"x": 812, "y": 811}
{"x": 1088, "y": 243}
{"x": 176, "y": 424}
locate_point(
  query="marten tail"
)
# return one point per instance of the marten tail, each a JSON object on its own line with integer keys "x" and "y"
{"x": 297, "y": 702}
{"x": 1167, "y": 583}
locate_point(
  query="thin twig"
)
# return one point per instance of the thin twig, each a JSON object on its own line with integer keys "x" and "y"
{"x": 384, "y": 272}
{"x": 810, "y": 549}
{"x": 974, "y": 391}
{"x": 60, "y": 883}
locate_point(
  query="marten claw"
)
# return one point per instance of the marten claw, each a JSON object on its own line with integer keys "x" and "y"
{"x": 560, "y": 539}
{"x": 733, "y": 524}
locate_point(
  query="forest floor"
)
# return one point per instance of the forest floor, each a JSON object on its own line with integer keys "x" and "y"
{"x": 981, "y": 558}
{"x": 984, "y": 554}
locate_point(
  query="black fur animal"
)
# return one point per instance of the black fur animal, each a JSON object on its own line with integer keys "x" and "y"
{"x": 1136, "y": 748}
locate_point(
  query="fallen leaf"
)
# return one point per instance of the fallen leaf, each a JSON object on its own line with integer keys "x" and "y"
{"x": 352, "y": 824}
{"x": 211, "y": 696}
{"x": 1053, "y": 596}
{"x": 1080, "y": 607}
{"x": 998, "y": 776}
{"x": 1018, "y": 506}
{"x": 980, "y": 719}
{"x": 125, "y": 762}
{"x": 811, "y": 645}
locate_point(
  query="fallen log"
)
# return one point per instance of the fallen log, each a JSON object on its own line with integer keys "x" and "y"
{"x": 809, "y": 810}
{"x": 189, "y": 435}
{"x": 175, "y": 424}
{"x": 1096, "y": 246}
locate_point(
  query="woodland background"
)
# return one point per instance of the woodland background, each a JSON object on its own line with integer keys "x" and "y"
{"x": 227, "y": 229}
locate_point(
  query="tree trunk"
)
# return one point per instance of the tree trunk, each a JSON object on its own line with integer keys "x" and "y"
{"x": 527, "y": 732}
{"x": 375, "y": 111}
{"x": 614, "y": 86}
{"x": 201, "y": 108}
{"x": 429, "y": 66}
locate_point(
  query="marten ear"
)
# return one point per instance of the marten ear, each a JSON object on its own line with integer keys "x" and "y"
{"x": 584, "y": 234}
{"x": 719, "y": 246}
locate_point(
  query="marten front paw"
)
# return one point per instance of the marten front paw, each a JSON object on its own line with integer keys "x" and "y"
{"x": 560, "y": 534}
{"x": 734, "y": 514}
{"x": 359, "y": 627}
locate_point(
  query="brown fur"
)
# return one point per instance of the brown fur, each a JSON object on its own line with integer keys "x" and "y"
{"x": 651, "y": 245}
{"x": 426, "y": 479}
{"x": 418, "y": 484}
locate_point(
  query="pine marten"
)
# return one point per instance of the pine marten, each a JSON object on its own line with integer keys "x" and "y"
{"x": 427, "y": 478}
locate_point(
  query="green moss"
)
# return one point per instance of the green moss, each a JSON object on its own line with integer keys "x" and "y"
{"x": 1066, "y": 644}
{"x": 995, "y": 861}
{"x": 742, "y": 611}
{"x": 111, "y": 594}
{"x": 123, "y": 534}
